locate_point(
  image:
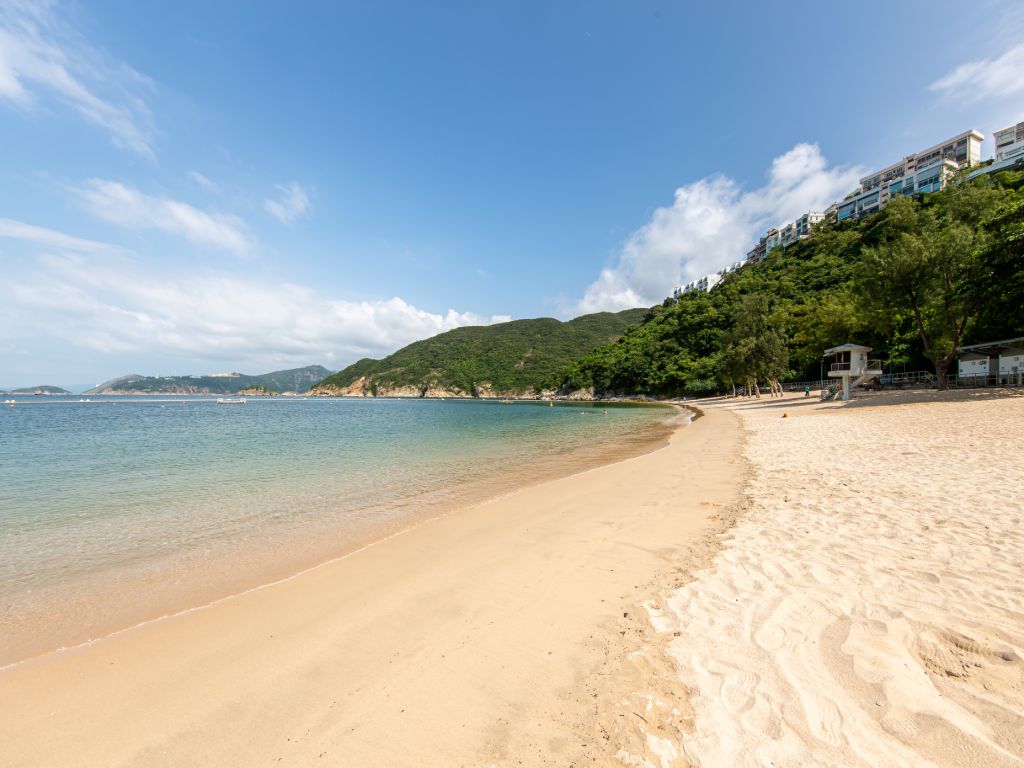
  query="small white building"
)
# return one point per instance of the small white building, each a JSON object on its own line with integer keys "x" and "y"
{"x": 998, "y": 359}
{"x": 978, "y": 364}
{"x": 1011, "y": 361}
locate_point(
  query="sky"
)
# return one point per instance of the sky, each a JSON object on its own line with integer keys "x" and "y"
{"x": 198, "y": 187}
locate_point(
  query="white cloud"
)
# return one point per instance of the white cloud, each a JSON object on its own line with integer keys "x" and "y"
{"x": 203, "y": 181}
{"x": 712, "y": 223}
{"x": 1000, "y": 77}
{"x": 50, "y": 238}
{"x": 39, "y": 54}
{"x": 292, "y": 203}
{"x": 130, "y": 208}
{"x": 115, "y": 305}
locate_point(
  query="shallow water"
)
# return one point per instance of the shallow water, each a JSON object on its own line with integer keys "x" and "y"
{"x": 122, "y": 509}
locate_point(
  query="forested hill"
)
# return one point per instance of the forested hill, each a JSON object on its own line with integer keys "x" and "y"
{"x": 915, "y": 282}
{"x": 518, "y": 357}
{"x": 292, "y": 380}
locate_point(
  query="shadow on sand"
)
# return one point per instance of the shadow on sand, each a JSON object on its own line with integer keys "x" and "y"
{"x": 934, "y": 396}
{"x": 867, "y": 399}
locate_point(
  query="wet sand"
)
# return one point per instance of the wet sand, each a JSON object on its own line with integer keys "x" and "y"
{"x": 63, "y": 614}
{"x": 503, "y": 634}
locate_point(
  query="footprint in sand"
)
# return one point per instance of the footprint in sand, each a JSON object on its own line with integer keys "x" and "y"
{"x": 738, "y": 691}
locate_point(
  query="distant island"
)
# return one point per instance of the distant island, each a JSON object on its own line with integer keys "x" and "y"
{"x": 521, "y": 358}
{"x": 44, "y": 389}
{"x": 294, "y": 380}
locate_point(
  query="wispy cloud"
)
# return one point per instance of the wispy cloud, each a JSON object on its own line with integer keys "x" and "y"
{"x": 291, "y": 203}
{"x": 1000, "y": 77}
{"x": 130, "y": 208}
{"x": 51, "y": 238}
{"x": 41, "y": 56}
{"x": 712, "y": 223}
{"x": 203, "y": 181}
{"x": 118, "y": 306}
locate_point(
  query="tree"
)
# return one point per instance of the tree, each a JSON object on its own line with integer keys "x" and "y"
{"x": 754, "y": 349}
{"x": 922, "y": 266}
{"x": 998, "y": 283}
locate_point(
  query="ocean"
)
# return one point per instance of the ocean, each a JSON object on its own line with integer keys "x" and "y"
{"x": 123, "y": 509}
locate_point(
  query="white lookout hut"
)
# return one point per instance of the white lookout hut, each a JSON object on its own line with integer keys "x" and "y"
{"x": 852, "y": 366}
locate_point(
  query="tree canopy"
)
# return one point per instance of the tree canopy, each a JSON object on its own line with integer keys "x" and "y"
{"x": 914, "y": 282}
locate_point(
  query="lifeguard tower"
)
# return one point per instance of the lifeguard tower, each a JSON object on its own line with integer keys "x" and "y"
{"x": 851, "y": 364}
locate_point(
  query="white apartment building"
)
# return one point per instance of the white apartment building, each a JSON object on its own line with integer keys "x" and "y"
{"x": 784, "y": 236}
{"x": 705, "y": 283}
{"x": 921, "y": 172}
{"x": 804, "y": 223}
{"x": 1009, "y": 142}
{"x": 708, "y": 282}
{"x": 1009, "y": 151}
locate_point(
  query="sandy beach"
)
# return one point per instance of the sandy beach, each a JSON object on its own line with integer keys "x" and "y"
{"x": 868, "y": 608}
{"x": 484, "y": 637}
{"x": 788, "y": 583}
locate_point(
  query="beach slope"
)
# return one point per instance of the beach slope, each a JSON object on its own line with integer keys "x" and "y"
{"x": 465, "y": 641}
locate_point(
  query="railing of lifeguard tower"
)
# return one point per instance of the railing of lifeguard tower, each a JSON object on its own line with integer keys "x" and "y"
{"x": 872, "y": 365}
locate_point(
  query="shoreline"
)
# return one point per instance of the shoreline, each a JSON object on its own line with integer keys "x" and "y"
{"x": 371, "y": 536}
{"x": 316, "y": 547}
{"x": 525, "y": 550}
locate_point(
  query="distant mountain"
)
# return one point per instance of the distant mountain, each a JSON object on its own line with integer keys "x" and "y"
{"x": 44, "y": 389}
{"x": 293, "y": 380}
{"x": 114, "y": 383}
{"x": 521, "y": 357}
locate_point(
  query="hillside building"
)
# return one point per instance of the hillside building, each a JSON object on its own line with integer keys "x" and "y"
{"x": 784, "y": 236}
{"x": 1009, "y": 142}
{"x": 1009, "y": 152}
{"x": 708, "y": 282}
{"x": 922, "y": 172}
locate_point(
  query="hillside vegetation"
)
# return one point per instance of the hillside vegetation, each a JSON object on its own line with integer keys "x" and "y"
{"x": 292, "y": 380}
{"x": 514, "y": 358}
{"x": 915, "y": 282}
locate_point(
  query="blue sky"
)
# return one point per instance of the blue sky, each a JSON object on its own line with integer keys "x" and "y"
{"x": 191, "y": 187}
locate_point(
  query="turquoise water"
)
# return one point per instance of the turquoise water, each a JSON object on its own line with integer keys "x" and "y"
{"x": 122, "y": 509}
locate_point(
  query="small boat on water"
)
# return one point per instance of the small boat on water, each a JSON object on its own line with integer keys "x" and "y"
{"x": 230, "y": 401}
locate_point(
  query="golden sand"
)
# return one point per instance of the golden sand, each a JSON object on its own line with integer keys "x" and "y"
{"x": 472, "y": 639}
{"x": 868, "y": 608}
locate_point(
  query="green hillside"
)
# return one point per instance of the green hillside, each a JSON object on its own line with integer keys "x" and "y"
{"x": 914, "y": 282}
{"x": 292, "y": 380}
{"x": 507, "y": 358}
